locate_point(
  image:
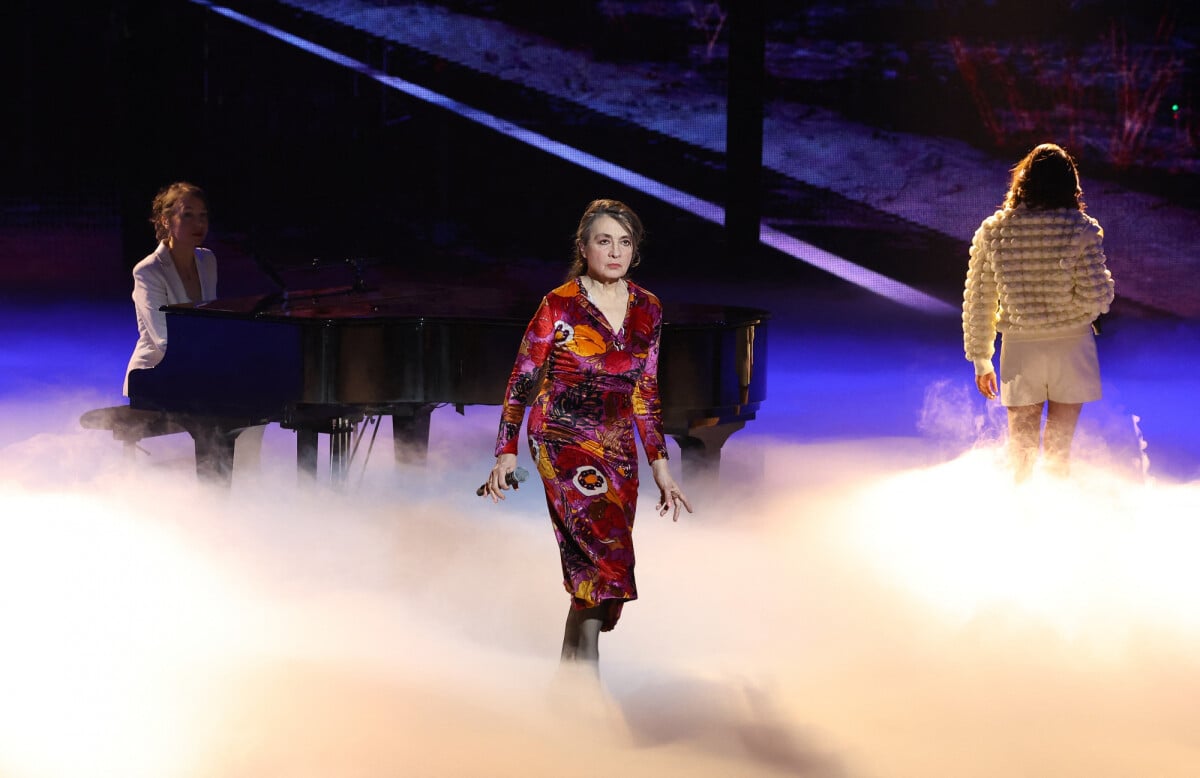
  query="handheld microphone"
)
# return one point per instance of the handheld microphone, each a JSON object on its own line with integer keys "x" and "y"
{"x": 513, "y": 479}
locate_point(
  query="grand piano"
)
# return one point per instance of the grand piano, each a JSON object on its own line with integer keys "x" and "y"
{"x": 323, "y": 361}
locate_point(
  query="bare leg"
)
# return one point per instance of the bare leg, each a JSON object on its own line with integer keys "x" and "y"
{"x": 581, "y": 635}
{"x": 1024, "y": 428}
{"x": 1060, "y": 431}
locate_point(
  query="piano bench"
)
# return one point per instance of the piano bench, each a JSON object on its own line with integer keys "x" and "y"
{"x": 130, "y": 425}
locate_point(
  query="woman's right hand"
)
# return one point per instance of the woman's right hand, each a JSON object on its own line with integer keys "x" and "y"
{"x": 497, "y": 480}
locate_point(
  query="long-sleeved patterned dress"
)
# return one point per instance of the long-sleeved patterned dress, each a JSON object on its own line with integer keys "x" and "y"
{"x": 589, "y": 387}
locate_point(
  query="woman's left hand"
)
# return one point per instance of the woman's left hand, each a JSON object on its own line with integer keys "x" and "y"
{"x": 670, "y": 495}
{"x": 986, "y": 384}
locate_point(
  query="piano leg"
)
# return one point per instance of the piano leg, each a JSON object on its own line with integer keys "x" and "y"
{"x": 214, "y": 453}
{"x": 306, "y": 454}
{"x": 410, "y": 434}
{"x": 700, "y": 453}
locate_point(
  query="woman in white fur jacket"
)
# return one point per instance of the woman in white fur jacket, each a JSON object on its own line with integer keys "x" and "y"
{"x": 1037, "y": 275}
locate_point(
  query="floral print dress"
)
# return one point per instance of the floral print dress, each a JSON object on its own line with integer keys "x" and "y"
{"x": 590, "y": 387}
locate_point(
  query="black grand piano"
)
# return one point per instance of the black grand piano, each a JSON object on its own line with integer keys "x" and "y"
{"x": 322, "y": 361}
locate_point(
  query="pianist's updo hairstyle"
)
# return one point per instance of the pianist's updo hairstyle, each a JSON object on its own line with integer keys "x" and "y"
{"x": 623, "y": 215}
{"x": 1045, "y": 178}
{"x": 165, "y": 201}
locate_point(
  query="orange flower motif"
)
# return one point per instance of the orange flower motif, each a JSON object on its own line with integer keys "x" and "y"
{"x": 639, "y": 403}
{"x": 585, "y": 591}
{"x": 593, "y": 447}
{"x": 590, "y": 481}
{"x": 587, "y": 342}
{"x": 541, "y": 458}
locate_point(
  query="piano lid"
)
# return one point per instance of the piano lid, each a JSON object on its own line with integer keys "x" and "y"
{"x": 434, "y": 302}
{"x": 266, "y": 355}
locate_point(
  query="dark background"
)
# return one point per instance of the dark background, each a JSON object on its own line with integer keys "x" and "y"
{"x": 303, "y": 159}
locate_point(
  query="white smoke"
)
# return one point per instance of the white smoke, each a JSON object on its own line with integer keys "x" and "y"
{"x": 854, "y": 608}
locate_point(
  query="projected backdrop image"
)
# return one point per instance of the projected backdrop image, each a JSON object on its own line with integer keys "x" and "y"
{"x": 887, "y": 133}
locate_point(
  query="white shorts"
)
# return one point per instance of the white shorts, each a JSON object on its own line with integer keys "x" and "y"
{"x": 1059, "y": 369}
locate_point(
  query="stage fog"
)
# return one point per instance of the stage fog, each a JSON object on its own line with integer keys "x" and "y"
{"x": 864, "y": 592}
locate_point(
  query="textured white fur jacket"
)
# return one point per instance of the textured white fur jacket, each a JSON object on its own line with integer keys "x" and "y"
{"x": 1033, "y": 273}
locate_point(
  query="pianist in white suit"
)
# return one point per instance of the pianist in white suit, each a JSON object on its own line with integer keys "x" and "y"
{"x": 179, "y": 270}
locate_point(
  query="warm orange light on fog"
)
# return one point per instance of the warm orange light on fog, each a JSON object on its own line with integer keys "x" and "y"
{"x": 111, "y": 623}
{"x": 1091, "y": 555}
{"x": 846, "y": 609}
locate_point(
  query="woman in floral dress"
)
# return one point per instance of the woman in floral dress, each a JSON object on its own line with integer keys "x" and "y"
{"x": 588, "y": 365}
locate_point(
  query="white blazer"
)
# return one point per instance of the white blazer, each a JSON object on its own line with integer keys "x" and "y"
{"x": 156, "y": 283}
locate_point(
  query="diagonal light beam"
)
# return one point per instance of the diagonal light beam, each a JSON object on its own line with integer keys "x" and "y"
{"x": 794, "y": 247}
